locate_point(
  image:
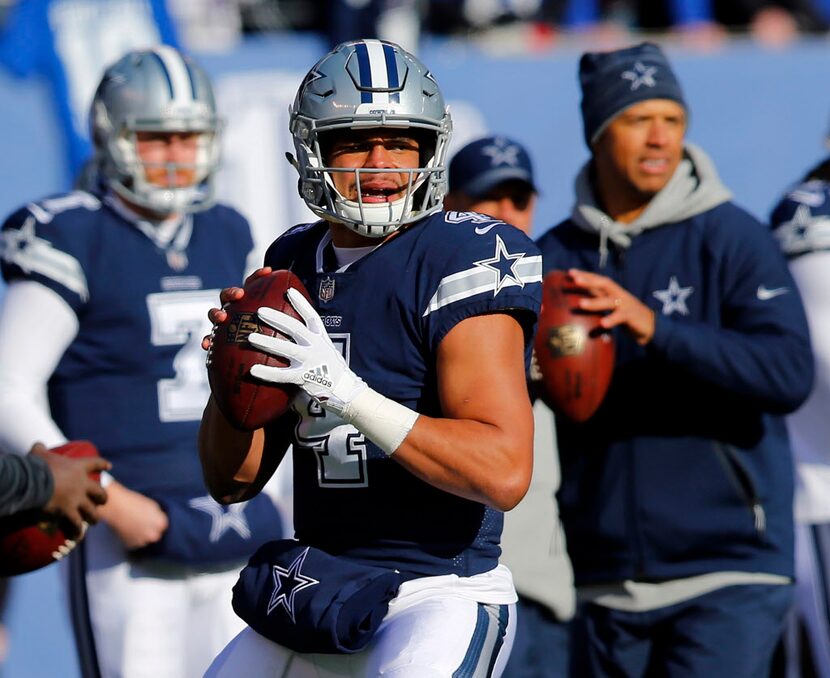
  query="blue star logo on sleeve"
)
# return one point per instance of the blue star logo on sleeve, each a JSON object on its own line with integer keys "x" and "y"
{"x": 642, "y": 75}
{"x": 288, "y": 583}
{"x": 503, "y": 264}
{"x": 232, "y": 518}
{"x": 674, "y": 297}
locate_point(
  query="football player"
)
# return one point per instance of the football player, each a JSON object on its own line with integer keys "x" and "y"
{"x": 106, "y": 303}
{"x": 800, "y": 222}
{"x": 412, "y": 429}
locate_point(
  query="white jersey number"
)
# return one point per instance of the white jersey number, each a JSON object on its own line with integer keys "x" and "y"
{"x": 339, "y": 447}
{"x": 180, "y": 318}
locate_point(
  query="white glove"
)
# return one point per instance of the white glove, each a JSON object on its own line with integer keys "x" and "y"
{"x": 316, "y": 366}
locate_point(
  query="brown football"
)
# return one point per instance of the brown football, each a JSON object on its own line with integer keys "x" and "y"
{"x": 247, "y": 402}
{"x": 574, "y": 353}
{"x": 33, "y": 539}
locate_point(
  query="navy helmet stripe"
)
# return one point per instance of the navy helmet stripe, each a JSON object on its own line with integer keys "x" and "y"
{"x": 365, "y": 71}
{"x": 191, "y": 78}
{"x": 392, "y": 73}
{"x": 166, "y": 74}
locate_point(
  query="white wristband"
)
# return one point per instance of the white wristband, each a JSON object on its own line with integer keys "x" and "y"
{"x": 385, "y": 422}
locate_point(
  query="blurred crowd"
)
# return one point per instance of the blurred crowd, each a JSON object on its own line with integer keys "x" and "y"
{"x": 698, "y": 22}
{"x": 216, "y": 24}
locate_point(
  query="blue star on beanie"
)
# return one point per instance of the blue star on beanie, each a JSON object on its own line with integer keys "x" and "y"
{"x": 613, "y": 81}
{"x": 487, "y": 162}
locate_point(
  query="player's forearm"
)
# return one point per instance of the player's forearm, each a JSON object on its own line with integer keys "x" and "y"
{"x": 471, "y": 459}
{"x": 230, "y": 458}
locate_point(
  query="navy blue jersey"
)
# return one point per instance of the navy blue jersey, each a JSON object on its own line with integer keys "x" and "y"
{"x": 133, "y": 380}
{"x": 801, "y": 221}
{"x": 388, "y": 312}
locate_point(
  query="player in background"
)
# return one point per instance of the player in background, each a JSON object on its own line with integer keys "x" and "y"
{"x": 407, "y": 454}
{"x": 676, "y": 495}
{"x": 493, "y": 175}
{"x": 101, "y": 325}
{"x": 801, "y": 223}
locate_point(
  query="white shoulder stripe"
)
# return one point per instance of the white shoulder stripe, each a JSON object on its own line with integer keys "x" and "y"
{"x": 479, "y": 280}
{"x": 36, "y": 255}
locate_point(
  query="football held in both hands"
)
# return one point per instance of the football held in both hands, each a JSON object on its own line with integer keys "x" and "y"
{"x": 245, "y": 401}
{"x": 574, "y": 352}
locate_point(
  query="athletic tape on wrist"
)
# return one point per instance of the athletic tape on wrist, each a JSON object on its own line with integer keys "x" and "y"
{"x": 385, "y": 422}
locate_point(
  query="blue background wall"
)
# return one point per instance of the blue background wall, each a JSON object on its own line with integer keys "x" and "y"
{"x": 762, "y": 115}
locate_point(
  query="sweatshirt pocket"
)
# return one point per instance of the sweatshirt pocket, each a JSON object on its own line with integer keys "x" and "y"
{"x": 745, "y": 487}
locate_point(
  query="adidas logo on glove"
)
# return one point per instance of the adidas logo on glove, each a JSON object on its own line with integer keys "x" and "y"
{"x": 319, "y": 375}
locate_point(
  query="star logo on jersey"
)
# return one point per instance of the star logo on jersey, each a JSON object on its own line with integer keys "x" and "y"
{"x": 23, "y": 248}
{"x": 674, "y": 297}
{"x": 801, "y": 220}
{"x": 502, "y": 153}
{"x": 13, "y": 242}
{"x": 503, "y": 264}
{"x": 641, "y": 76}
{"x": 288, "y": 583}
{"x": 224, "y": 519}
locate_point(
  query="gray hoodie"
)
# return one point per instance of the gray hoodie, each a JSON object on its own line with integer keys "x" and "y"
{"x": 694, "y": 188}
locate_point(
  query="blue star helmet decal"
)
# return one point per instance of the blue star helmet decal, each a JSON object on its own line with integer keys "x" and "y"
{"x": 288, "y": 583}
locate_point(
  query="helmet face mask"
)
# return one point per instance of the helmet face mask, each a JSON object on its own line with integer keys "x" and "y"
{"x": 155, "y": 91}
{"x": 364, "y": 85}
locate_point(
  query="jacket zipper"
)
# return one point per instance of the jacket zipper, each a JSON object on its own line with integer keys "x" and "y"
{"x": 743, "y": 482}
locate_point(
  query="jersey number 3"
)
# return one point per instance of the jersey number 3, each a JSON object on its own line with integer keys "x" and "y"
{"x": 180, "y": 318}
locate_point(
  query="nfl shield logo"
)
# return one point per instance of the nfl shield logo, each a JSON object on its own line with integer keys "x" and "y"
{"x": 326, "y": 292}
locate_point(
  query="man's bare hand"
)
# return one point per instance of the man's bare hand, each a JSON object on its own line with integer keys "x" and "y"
{"x": 76, "y": 496}
{"x": 135, "y": 518}
{"x": 219, "y": 315}
{"x": 623, "y": 307}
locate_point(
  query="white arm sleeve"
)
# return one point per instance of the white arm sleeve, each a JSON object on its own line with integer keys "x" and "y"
{"x": 36, "y": 328}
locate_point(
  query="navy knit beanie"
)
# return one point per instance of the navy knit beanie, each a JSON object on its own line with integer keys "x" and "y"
{"x": 613, "y": 81}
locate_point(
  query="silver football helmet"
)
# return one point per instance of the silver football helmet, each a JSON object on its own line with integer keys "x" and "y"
{"x": 370, "y": 84}
{"x": 155, "y": 90}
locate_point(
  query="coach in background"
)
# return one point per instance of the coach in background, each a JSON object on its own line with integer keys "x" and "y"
{"x": 494, "y": 175}
{"x": 677, "y": 494}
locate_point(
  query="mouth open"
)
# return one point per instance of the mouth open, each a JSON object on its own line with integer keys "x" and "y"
{"x": 370, "y": 194}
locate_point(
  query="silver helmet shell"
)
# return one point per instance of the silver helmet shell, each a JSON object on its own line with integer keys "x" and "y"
{"x": 370, "y": 84}
{"x": 155, "y": 90}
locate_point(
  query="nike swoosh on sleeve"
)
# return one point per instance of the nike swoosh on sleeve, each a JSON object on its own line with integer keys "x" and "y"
{"x": 765, "y": 294}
